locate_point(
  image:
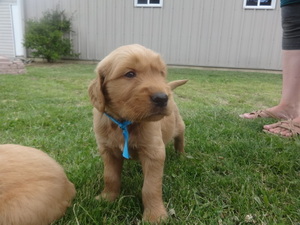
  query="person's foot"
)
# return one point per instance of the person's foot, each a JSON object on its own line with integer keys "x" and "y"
{"x": 258, "y": 114}
{"x": 276, "y": 112}
{"x": 288, "y": 128}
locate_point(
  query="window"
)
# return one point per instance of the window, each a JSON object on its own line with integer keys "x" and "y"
{"x": 148, "y": 3}
{"x": 259, "y": 4}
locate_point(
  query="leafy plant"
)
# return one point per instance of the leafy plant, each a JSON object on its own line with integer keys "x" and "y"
{"x": 48, "y": 37}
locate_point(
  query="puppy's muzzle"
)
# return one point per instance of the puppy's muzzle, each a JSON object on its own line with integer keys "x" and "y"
{"x": 160, "y": 99}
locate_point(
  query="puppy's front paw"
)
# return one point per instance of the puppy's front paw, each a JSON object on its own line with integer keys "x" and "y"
{"x": 155, "y": 215}
{"x": 108, "y": 196}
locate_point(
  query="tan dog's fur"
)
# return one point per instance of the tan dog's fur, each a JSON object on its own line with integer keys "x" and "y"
{"x": 34, "y": 189}
{"x": 129, "y": 98}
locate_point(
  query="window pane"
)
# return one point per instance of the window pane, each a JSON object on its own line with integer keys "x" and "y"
{"x": 251, "y": 2}
{"x": 142, "y": 1}
{"x": 265, "y": 2}
{"x": 154, "y": 1}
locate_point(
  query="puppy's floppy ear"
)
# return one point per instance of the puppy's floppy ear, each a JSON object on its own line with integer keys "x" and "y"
{"x": 96, "y": 91}
{"x": 96, "y": 94}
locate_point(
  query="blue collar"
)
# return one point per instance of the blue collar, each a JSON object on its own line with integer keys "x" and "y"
{"x": 123, "y": 126}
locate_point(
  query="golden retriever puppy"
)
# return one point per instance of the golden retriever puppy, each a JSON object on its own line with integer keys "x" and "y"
{"x": 134, "y": 117}
{"x": 34, "y": 189}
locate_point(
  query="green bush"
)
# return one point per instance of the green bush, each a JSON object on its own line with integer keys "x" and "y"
{"x": 48, "y": 37}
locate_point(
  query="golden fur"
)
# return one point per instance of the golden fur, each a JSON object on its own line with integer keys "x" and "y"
{"x": 128, "y": 80}
{"x": 34, "y": 189}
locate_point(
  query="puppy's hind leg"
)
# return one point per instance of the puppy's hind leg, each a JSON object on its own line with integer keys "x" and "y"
{"x": 179, "y": 143}
{"x": 179, "y": 138}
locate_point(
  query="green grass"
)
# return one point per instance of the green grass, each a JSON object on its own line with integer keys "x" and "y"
{"x": 231, "y": 170}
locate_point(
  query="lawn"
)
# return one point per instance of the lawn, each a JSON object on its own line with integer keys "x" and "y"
{"x": 232, "y": 172}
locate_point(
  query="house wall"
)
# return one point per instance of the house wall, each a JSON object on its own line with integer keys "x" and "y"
{"x": 7, "y": 47}
{"x": 210, "y": 33}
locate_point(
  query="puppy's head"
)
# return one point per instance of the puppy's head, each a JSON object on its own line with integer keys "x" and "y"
{"x": 131, "y": 85}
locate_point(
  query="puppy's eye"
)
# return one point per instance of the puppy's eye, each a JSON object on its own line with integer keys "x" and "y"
{"x": 130, "y": 74}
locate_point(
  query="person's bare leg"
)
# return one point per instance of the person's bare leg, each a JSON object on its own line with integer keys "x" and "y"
{"x": 289, "y": 106}
{"x": 290, "y": 99}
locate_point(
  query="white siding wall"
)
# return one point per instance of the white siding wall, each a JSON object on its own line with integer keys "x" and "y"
{"x": 7, "y": 47}
{"x": 214, "y": 33}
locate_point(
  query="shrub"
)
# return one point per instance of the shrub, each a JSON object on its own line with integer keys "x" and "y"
{"x": 48, "y": 37}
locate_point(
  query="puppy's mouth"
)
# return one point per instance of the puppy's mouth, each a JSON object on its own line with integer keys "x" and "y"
{"x": 154, "y": 117}
{"x": 148, "y": 108}
{"x": 159, "y": 102}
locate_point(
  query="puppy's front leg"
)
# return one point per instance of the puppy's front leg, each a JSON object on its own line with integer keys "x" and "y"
{"x": 153, "y": 165}
{"x": 112, "y": 175}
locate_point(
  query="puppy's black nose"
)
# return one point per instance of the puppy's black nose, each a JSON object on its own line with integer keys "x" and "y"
{"x": 160, "y": 99}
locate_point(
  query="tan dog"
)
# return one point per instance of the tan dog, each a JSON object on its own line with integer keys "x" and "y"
{"x": 34, "y": 189}
{"x": 131, "y": 86}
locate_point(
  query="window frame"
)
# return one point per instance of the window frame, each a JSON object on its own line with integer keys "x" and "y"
{"x": 148, "y": 4}
{"x": 258, "y": 6}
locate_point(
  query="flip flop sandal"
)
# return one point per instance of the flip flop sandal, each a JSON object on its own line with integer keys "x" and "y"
{"x": 289, "y": 125}
{"x": 260, "y": 114}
